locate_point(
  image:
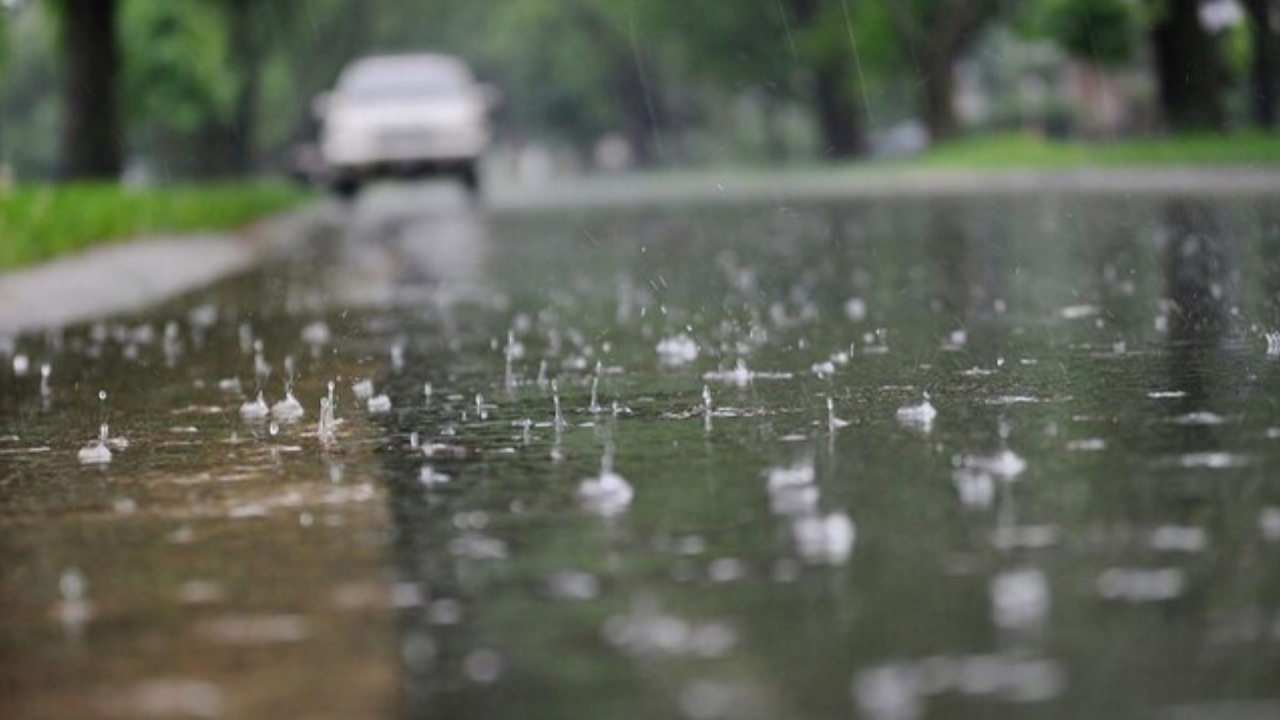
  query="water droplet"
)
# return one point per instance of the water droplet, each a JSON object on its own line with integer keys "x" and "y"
{"x": 483, "y": 666}
{"x": 919, "y": 416}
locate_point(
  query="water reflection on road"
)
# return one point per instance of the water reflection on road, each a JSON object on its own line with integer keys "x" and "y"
{"x": 671, "y": 461}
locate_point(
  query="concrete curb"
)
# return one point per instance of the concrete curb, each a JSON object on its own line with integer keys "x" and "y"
{"x": 132, "y": 275}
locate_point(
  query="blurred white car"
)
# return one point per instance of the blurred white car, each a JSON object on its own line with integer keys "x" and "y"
{"x": 404, "y": 116}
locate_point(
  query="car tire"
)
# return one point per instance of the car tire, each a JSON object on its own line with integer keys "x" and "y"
{"x": 346, "y": 188}
{"x": 469, "y": 176}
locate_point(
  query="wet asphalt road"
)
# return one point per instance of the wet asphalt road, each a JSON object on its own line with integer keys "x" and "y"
{"x": 733, "y": 500}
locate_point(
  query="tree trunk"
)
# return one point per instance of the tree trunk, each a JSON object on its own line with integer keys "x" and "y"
{"x": 643, "y": 111}
{"x": 91, "y": 144}
{"x": 939, "y": 98}
{"x": 1265, "y": 63}
{"x": 775, "y": 144}
{"x": 246, "y": 54}
{"x": 1187, "y": 69}
{"x": 838, "y": 117}
{"x": 834, "y": 101}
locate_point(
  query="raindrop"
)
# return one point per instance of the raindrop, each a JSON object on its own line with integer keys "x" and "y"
{"x": 1273, "y": 343}
{"x": 397, "y": 357}
{"x": 74, "y": 609}
{"x": 594, "y": 407}
{"x": 1269, "y": 523}
{"x": 288, "y": 409}
{"x": 889, "y": 692}
{"x": 1019, "y": 599}
{"x": 317, "y": 334}
{"x": 1142, "y": 584}
{"x": 919, "y": 416}
{"x": 826, "y": 539}
{"x": 379, "y": 404}
{"x": 572, "y": 585}
{"x": 833, "y": 422}
{"x": 677, "y": 351}
{"x": 855, "y": 309}
{"x": 98, "y": 452}
{"x": 254, "y": 410}
{"x": 483, "y": 666}
{"x": 555, "y": 399}
{"x": 606, "y": 494}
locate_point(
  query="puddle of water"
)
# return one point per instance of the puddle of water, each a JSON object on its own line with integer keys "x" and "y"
{"x": 902, "y": 459}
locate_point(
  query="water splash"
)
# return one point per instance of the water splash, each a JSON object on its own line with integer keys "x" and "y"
{"x": 608, "y": 493}
{"x": 677, "y": 351}
{"x": 594, "y": 407}
{"x": 379, "y": 404}
{"x": 74, "y": 609}
{"x": 255, "y": 410}
{"x": 288, "y": 409}
{"x": 98, "y": 451}
{"x": 1138, "y": 585}
{"x": 555, "y": 399}
{"x": 1019, "y": 599}
{"x": 397, "y": 356}
{"x": 328, "y": 425}
{"x": 825, "y": 539}
{"x": 833, "y": 422}
{"x": 920, "y": 416}
{"x": 261, "y": 369}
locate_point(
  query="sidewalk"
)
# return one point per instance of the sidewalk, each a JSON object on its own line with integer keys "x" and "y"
{"x": 127, "y": 276}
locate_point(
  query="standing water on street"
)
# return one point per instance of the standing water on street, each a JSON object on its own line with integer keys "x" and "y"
{"x": 932, "y": 457}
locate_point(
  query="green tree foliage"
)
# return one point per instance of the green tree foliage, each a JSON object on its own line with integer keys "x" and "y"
{"x": 934, "y": 34}
{"x": 1104, "y": 32}
{"x": 177, "y": 74}
{"x": 1190, "y": 73}
{"x": 91, "y": 137}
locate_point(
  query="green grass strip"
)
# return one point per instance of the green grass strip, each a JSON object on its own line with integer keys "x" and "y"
{"x": 1030, "y": 151}
{"x": 44, "y": 221}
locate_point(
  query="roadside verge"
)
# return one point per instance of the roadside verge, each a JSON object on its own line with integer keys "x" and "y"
{"x": 121, "y": 277}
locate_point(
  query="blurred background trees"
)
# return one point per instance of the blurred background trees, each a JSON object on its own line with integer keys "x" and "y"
{"x": 156, "y": 89}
